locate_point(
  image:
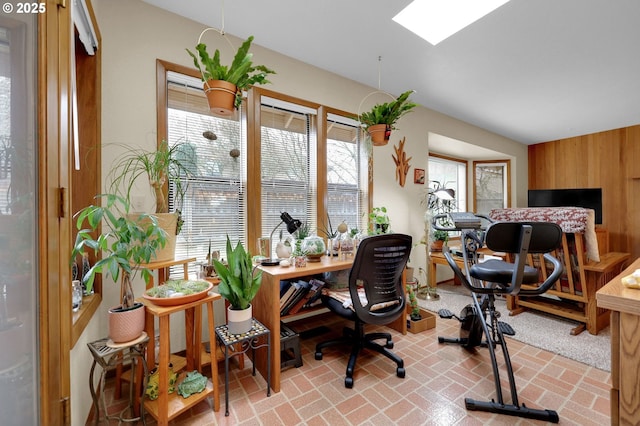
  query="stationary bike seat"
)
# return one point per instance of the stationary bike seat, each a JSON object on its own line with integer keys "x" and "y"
{"x": 501, "y": 272}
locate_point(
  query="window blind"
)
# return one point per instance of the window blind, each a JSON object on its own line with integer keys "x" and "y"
{"x": 287, "y": 171}
{"x": 346, "y": 185}
{"x": 214, "y": 205}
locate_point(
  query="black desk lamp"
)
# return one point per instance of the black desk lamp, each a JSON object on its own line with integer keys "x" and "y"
{"x": 292, "y": 226}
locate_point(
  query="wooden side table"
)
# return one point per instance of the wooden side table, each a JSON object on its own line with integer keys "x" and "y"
{"x": 238, "y": 344}
{"x": 162, "y": 277}
{"x": 169, "y": 406}
{"x": 109, "y": 357}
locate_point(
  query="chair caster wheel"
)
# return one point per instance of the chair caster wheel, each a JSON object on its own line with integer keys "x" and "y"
{"x": 348, "y": 382}
{"x": 400, "y": 372}
{"x": 389, "y": 345}
{"x": 318, "y": 356}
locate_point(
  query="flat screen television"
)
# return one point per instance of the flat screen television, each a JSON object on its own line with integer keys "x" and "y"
{"x": 590, "y": 198}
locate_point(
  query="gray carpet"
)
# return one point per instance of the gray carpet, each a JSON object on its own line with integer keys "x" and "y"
{"x": 537, "y": 329}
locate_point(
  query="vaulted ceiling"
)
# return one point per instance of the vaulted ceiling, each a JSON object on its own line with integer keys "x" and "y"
{"x": 532, "y": 71}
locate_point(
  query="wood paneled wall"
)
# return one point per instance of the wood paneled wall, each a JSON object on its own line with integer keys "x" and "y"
{"x": 609, "y": 160}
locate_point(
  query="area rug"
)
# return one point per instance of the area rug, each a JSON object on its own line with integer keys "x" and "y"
{"x": 537, "y": 329}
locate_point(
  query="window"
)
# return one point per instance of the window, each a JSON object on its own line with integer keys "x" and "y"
{"x": 449, "y": 173}
{"x": 287, "y": 172}
{"x": 294, "y": 156}
{"x": 491, "y": 185}
{"x": 346, "y": 183}
{"x": 214, "y": 205}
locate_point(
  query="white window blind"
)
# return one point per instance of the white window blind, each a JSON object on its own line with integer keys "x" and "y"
{"x": 214, "y": 206}
{"x": 346, "y": 185}
{"x": 287, "y": 165}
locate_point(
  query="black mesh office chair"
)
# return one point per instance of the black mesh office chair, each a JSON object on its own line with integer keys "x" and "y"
{"x": 376, "y": 277}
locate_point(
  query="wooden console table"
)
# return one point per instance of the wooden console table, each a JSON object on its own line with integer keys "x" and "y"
{"x": 624, "y": 304}
{"x": 266, "y": 306}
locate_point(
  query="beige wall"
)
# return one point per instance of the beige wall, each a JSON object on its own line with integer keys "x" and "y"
{"x": 135, "y": 34}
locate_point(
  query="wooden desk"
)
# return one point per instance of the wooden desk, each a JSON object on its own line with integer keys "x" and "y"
{"x": 624, "y": 304}
{"x": 435, "y": 259}
{"x": 266, "y": 306}
{"x": 166, "y": 407}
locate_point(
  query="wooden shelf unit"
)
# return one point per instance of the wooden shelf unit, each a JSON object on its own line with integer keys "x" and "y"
{"x": 573, "y": 296}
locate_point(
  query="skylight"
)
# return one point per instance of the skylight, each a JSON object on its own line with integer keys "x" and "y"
{"x": 436, "y": 20}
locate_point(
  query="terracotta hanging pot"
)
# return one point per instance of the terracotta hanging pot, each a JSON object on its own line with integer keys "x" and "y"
{"x": 380, "y": 134}
{"x": 221, "y": 96}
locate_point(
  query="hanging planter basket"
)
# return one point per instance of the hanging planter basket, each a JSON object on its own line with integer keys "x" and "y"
{"x": 221, "y": 96}
{"x": 380, "y": 134}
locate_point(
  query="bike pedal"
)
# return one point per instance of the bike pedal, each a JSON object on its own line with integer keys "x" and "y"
{"x": 506, "y": 329}
{"x": 445, "y": 314}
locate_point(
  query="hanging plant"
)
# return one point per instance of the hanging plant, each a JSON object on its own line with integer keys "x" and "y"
{"x": 226, "y": 83}
{"x": 381, "y": 119}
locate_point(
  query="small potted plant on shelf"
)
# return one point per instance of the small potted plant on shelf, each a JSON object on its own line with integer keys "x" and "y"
{"x": 299, "y": 253}
{"x": 419, "y": 319}
{"x": 333, "y": 243}
{"x": 381, "y": 119}
{"x": 127, "y": 243}
{"x": 239, "y": 285}
{"x": 439, "y": 239}
{"x": 224, "y": 84}
{"x": 175, "y": 164}
{"x": 379, "y": 221}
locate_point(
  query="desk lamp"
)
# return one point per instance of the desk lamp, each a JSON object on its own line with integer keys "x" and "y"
{"x": 292, "y": 226}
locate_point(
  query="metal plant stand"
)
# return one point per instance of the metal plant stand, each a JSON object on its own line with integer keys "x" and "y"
{"x": 235, "y": 344}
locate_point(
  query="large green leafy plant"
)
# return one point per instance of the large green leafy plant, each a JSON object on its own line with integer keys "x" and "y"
{"x": 241, "y": 72}
{"x": 126, "y": 242}
{"x": 389, "y": 112}
{"x": 175, "y": 164}
{"x": 238, "y": 284}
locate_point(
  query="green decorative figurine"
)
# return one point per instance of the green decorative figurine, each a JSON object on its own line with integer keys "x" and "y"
{"x": 193, "y": 383}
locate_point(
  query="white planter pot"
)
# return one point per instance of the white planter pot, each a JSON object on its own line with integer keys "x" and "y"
{"x": 239, "y": 321}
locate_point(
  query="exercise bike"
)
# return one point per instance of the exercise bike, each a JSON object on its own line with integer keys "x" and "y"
{"x": 494, "y": 277}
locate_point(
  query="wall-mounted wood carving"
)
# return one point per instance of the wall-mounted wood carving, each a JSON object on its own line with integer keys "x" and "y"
{"x": 402, "y": 163}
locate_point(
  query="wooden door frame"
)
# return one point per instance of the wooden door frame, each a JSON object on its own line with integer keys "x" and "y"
{"x": 54, "y": 129}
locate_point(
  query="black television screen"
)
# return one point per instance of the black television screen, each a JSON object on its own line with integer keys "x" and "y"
{"x": 589, "y": 198}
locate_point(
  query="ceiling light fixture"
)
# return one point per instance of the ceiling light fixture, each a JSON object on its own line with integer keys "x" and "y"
{"x": 436, "y": 20}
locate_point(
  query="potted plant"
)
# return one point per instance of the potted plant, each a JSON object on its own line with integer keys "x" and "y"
{"x": 333, "y": 244}
{"x": 379, "y": 221}
{"x": 439, "y": 239}
{"x": 381, "y": 119}
{"x": 223, "y": 84}
{"x": 126, "y": 243}
{"x": 238, "y": 285}
{"x": 175, "y": 164}
{"x": 299, "y": 253}
{"x": 419, "y": 319}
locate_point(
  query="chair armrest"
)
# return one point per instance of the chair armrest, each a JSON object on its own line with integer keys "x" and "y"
{"x": 558, "y": 269}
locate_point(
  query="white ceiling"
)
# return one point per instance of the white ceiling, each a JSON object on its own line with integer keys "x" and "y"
{"x": 532, "y": 71}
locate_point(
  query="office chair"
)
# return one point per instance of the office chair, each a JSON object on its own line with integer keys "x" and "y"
{"x": 377, "y": 297}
